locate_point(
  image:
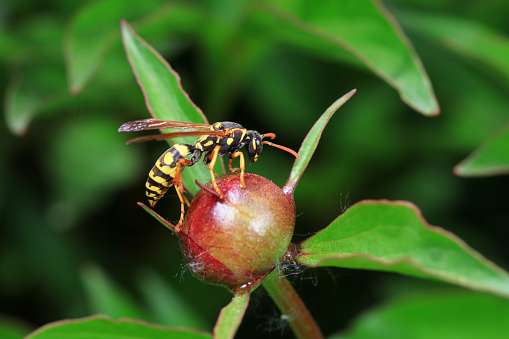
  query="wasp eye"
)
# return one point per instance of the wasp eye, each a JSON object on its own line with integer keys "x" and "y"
{"x": 255, "y": 147}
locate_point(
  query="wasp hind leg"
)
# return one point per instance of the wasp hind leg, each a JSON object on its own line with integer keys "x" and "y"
{"x": 179, "y": 187}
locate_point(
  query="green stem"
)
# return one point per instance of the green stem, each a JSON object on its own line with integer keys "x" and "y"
{"x": 290, "y": 304}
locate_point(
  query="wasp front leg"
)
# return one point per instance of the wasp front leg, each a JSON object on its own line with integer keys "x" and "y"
{"x": 209, "y": 156}
{"x": 242, "y": 166}
{"x": 231, "y": 167}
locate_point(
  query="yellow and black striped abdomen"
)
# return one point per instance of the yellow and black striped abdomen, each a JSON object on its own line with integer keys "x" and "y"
{"x": 160, "y": 178}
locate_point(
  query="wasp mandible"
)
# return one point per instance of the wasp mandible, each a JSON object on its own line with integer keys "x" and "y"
{"x": 219, "y": 139}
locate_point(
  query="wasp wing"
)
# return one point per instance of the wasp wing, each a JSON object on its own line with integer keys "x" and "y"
{"x": 148, "y": 124}
{"x": 166, "y": 136}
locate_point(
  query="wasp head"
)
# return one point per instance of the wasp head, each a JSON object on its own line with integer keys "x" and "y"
{"x": 255, "y": 145}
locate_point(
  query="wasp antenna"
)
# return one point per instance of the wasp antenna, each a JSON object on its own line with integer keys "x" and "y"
{"x": 289, "y": 150}
{"x": 269, "y": 135}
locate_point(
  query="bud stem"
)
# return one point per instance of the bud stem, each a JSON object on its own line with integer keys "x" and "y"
{"x": 290, "y": 304}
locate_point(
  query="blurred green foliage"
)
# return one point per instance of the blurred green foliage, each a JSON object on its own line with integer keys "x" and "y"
{"x": 70, "y": 227}
{"x": 460, "y": 314}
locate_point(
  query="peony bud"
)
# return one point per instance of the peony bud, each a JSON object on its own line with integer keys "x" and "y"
{"x": 237, "y": 239}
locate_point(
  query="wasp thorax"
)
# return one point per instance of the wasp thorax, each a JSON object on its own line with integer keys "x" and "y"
{"x": 239, "y": 238}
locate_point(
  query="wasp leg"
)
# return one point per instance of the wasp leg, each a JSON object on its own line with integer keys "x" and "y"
{"x": 208, "y": 158}
{"x": 179, "y": 187}
{"x": 231, "y": 167}
{"x": 242, "y": 167}
{"x": 213, "y": 159}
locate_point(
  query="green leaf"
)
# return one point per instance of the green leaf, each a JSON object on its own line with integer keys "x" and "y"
{"x": 231, "y": 315}
{"x": 11, "y": 328}
{"x": 491, "y": 158}
{"x": 91, "y": 32}
{"x": 82, "y": 185}
{"x": 393, "y": 236}
{"x": 20, "y": 106}
{"x": 106, "y": 297}
{"x": 36, "y": 39}
{"x": 310, "y": 143}
{"x": 164, "y": 95}
{"x": 32, "y": 50}
{"x": 437, "y": 315}
{"x": 465, "y": 37}
{"x": 100, "y": 327}
{"x": 168, "y": 307}
{"x": 30, "y": 93}
{"x": 365, "y": 30}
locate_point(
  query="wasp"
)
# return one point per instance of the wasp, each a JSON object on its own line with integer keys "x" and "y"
{"x": 219, "y": 139}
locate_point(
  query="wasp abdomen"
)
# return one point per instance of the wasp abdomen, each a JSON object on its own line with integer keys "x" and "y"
{"x": 160, "y": 178}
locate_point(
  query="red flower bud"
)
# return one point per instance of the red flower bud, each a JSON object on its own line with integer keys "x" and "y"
{"x": 239, "y": 238}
